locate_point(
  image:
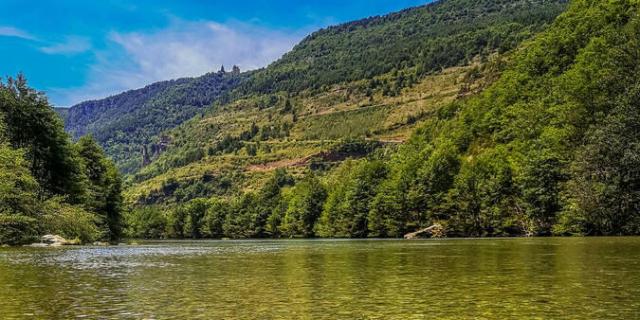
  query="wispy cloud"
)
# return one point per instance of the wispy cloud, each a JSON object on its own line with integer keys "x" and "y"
{"x": 6, "y": 31}
{"x": 193, "y": 48}
{"x": 183, "y": 49}
{"x": 71, "y": 45}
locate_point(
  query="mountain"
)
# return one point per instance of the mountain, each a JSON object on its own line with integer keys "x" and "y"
{"x": 421, "y": 40}
{"x": 551, "y": 147}
{"x": 62, "y": 112}
{"x": 316, "y": 95}
{"x": 126, "y": 123}
{"x": 273, "y": 155}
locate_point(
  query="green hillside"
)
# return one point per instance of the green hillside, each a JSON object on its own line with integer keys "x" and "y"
{"x": 483, "y": 118}
{"x": 427, "y": 38}
{"x": 548, "y": 148}
{"x": 126, "y": 123}
{"x": 301, "y": 133}
{"x": 285, "y": 113}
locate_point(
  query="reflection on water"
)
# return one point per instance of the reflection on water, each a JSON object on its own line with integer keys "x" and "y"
{"x": 573, "y": 278}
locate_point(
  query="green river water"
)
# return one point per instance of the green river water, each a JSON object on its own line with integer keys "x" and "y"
{"x": 540, "y": 278}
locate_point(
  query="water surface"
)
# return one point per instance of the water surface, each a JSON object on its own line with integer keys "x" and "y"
{"x": 563, "y": 278}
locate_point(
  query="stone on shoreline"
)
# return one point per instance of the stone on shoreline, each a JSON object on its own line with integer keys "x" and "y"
{"x": 51, "y": 240}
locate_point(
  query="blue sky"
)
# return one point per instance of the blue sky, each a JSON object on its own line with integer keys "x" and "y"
{"x": 77, "y": 50}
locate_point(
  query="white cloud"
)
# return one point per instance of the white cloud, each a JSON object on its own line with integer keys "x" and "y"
{"x": 71, "y": 45}
{"x": 190, "y": 49}
{"x": 14, "y": 32}
{"x": 184, "y": 49}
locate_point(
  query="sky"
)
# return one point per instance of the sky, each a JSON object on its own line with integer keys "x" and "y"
{"x": 76, "y": 50}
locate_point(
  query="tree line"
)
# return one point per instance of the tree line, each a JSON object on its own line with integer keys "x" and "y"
{"x": 48, "y": 184}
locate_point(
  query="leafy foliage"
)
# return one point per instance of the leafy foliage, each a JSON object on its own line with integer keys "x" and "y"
{"x": 430, "y": 38}
{"x": 18, "y": 194}
{"x": 105, "y": 187}
{"x": 550, "y": 147}
{"x": 32, "y": 125}
{"x": 47, "y": 184}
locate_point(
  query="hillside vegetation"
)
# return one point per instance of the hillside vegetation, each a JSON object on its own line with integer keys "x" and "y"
{"x": 550, "y": 147}
{"x": 427, "y": 38}
{"x": 272, "y": 157}
{"x": 129, "y": 122}
{"x": 485, "y": 118}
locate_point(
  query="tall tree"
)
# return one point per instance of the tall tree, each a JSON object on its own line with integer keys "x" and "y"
{"x": 19, "y": 207}
{"x": 606, "y": 184}
{"x": 32, "y": 125}
{"x": 105, "y": 186}
{"x": 304, "y": 207}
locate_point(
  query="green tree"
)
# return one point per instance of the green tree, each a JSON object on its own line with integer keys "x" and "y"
{"x": 347, "y": 209}
{"x": 305, "y": 207}
{"x": 241, "y": 218}
{"x": 19, "y": 206}
{"x": 605, "y": 189}
{"x": 483, "y": 196}
{"x": 196, "y": 211}
{"x": 176, "y": 223}
{"x": 32, "y": 125}
{"x": 268, "y": 200}
{"x": 68, "y": 221}
{"x": 214, "y": 219}
{"x": 147, "y": 222}
{"x": 105, "y": 187}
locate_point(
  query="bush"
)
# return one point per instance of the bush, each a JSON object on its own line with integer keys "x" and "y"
{"x": 17, "y": 229}
{"x": 70, "y": 222}
{"x": 147, "y": 223}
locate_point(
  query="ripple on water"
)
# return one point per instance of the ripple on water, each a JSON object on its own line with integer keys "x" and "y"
{"x": 123, "y": 257}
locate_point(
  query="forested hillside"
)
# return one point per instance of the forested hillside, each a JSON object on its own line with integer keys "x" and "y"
{"x": 418, "y": 41}
{"x": 313, "y": 136}
{"x": 427, "y": 38}
{"x": 550, "y": 148}
{"x": 128, "y": 122}
{"x": 48, "y": 185}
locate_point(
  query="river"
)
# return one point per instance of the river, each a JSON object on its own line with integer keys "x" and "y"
{"x": 538, "y": 278}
